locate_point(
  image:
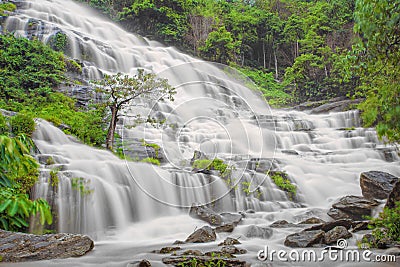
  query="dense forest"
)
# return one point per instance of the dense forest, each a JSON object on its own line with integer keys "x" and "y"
{"x": 295, "y": 51}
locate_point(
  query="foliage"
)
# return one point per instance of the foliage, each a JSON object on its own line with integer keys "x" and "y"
{"x": 151, "y": 161}
{"x": 284, "y": 183}
{"x": 215, "y": 164}
{"x": 120, "y": 90}
{"x": 4, "y": 127}
{"x": 386, "y": 227}
{"x": 378, "y": 54}
{"x": 28, "y": 69}
{"x": 194, "y": 262}
{"x": 22, "y": 124}
{"x": 59, "y": 41}
{"x": 81, "y": 185}
{"x": 4, "y": 7}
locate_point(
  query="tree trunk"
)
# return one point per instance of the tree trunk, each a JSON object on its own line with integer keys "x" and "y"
{"x": 276, "y": 64}
{"x": 264, "y": 56}
{"x": 111, "y": 127}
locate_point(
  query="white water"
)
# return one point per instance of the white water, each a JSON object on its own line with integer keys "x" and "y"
{"x": 138, "y": 205}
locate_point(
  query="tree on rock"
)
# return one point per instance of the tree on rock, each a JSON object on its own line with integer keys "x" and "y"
{"x": 120, "y": 90}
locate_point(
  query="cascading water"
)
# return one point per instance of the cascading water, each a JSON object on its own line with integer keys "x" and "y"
{"x": 215, "y": 112}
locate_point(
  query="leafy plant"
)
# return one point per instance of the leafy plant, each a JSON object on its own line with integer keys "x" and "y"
{"x": 59, "y": 41}
{"x": 151, "y": 160}
{"x": 81, "y": 185}
{"x": 386, "y": 227}
{"x": 280, "y": 179}
{"x": 22, "y": 124}
{"x": 10, "y": 7}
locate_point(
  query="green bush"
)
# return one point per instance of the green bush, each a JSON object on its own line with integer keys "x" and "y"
{"x": 4, "y": 128}
{"x": 151, "y": 160}
{"x": 215, "y": 164}
{"x": 281, "y": 181}
{"x": 6, "y": 7}
{"x": 22, "y": 124}
{"x": 386, "y": 227}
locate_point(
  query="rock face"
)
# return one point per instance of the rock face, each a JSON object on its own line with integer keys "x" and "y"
{"x": 205, "y": 214}
{"x": 305, "y": 239}
{"x": 394, "y": 196}
{"x": 336, "y": 106}
{"x": 330, "y": 225}
{"x": 339, "y": 232}
{"x": 202, "y": 235}
{"x": 375, "y": 184}
{"x": 17, "y": 247}
{"x": 352, "y": 207}
{"x": 258, "y": 232}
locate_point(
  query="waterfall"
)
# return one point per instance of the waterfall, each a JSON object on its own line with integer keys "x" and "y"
{"x": 216, "y": 111}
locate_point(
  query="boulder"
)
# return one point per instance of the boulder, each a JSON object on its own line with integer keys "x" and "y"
{"x": 233, "y": 250}
{"x": 305, "y": 239}
{"x": 17, "y": 247}
{"x": 206, "y": 214}
{"x": 193, "y": 252}
{"x": 330, "y": 225}
{"x": 376, "y": 184}
{"x": 202, "y": 235}
{"x": 337, "y": 106}
{"x": 231, "y": 218}
{"x": 360, "y": 226}
{"x": 254, "y": 231}
{"x": 144, "y": 263}
{"x": 312, "y": 220}
{"x": 228, "y": 228}
{"x": 282, "y": 224}
{"x": 339, "y": 232}
{"x": 394, "y": 196}
{"x": 167, "y": 250}
{"x": 229, "y": 241}
{"x": 352, "y": 207}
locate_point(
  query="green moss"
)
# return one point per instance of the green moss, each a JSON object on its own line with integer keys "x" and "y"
{"x": 151, "y": 160}
{"x": 73, "y": 66}
{"x": 281, "y": 180}
{"x": 7, "y": 7}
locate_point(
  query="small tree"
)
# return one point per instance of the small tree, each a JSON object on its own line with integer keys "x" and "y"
{"x": 121, "y": 89}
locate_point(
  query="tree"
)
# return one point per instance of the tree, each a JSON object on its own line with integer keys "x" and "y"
{"x": 121, "y": 89}
{"x": 378, "y": 23}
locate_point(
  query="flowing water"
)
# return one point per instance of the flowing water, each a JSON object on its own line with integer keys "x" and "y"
{"x": 130, "y": 208}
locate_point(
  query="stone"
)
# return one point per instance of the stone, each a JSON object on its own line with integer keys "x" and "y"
{"x": 167, "y": 250}
{"x": 144, "y": 263}
{"x": 229, "y": 241}
{"x": 394, "y": 196}
{"x": 228, "y": 228}
{"x": 18, "y": 247}
{"x": 204, "y": 260}
{"x": 312, "y": 220}
{"x": 376, "y": 184}
{"x": 336, "y": 106}
{"x": 352, "y": 207}
{"x": 205, "y": 214}
{"x": 360, "y": 226}
{"x": 219, "y": 254}
{"x": 305, "y": 239}
{"x": 193, "y": 252}
{"x": 254, "y": 231}
{"x": 178, "y": 242}
{"x": 330, "y": 225}
{"x": 202, "y": 235}
{"x": 339, "y": 232}
{"x": 233, "y": 250}
{"x": 282, "y": 224}
{"x": 234, "y": 218}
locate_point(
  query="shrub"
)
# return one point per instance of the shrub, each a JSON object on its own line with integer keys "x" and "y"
{"x": 22, "y": 124}
{"x": 215, "y": 164}
{"x": 6, "y": 7}
{"x": 281, "y": 180}
{"x": 386, "y": 227}
{"x": 4, "y": 128}
{"x": 151, "y": 160}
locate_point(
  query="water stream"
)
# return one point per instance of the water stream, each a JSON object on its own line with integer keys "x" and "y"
{"x": 130, "y": 207}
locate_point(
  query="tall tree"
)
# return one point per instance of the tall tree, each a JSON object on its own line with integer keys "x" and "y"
{"x": 120, "y": 90}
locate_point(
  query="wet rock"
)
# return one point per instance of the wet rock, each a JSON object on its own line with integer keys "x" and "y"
{"x": 167, "y": 250}
{"x": 312, "y": 220}
{"x": 393, "y": 251}
{"x": 228, "y": 228}
{"x": 352, "y": 207}
{"x": 219, "y": 254}
{"x": 206, "y": 214}
{"x": 339, "y": 232}
{"x": 233, "y": 250}
{"x": 254, "y": 231}
{"x": 394, "y": 196}
{"x": 376, "y": 184}
{"x": 202, "y": 235}
{"x": 17, "y": 247}
{"x": 330, "y": 225}
{"x": 336, "y": 106}
{"x": 360, "y": 226}
{"x": 178, "y": 242}
{"x": 282, "y": 224}
{"x": 305, "y": 239}
{"x": 290, "y": 152}
{"x": 229, "y": 241}
{"x": 204, "y": 260}
{"x": 144, "y": 263}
